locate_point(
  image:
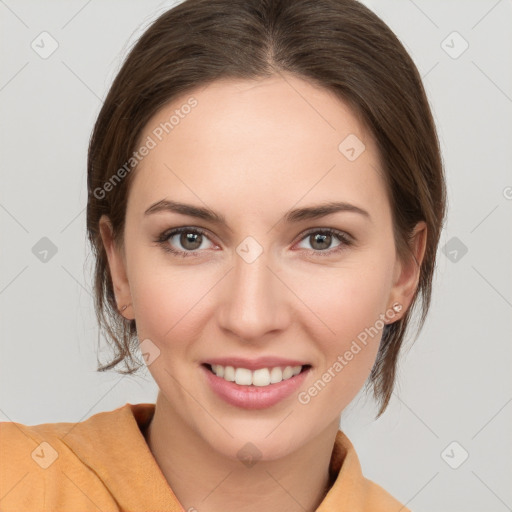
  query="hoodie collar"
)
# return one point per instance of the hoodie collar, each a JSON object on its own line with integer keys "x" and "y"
{"x": 112, "y": 444}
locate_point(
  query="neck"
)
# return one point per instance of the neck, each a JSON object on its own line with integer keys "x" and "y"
{"x": 203, "y": 479}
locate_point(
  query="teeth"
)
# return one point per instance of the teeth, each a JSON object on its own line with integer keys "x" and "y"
{"x": 287, "y": 372}
{"x": 296, "y": 370}
{"x": 229, "y": 373}
{"x": 243, "y": 376}
{"x": 261, "y": 377}
{"x": 276, "y": 375}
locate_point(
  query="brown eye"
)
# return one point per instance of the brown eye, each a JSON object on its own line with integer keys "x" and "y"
{"x": 184, "y": 241}
{"x": 321, "y": 241}
{"x": 190, "y": 241}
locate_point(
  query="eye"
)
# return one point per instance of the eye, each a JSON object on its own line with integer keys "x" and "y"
{"x": 321, "y": 239}
{"x": 190, "y": 239}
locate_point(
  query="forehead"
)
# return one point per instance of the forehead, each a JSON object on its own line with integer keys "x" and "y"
{"x": 275, "y": 140}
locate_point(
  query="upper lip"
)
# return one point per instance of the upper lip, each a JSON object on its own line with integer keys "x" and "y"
{"x": 255, "y": 364}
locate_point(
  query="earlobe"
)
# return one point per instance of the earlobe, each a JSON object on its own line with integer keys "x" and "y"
{"x": 116, "y": 263}
{"x": 407, "y": 273}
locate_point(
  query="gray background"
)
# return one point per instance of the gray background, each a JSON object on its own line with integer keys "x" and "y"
{"x": 454, "y": 382}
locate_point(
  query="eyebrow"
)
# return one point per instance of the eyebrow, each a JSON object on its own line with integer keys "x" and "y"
{"x": 293, "y": 216}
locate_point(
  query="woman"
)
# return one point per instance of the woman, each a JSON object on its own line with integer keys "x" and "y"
{"x": 266, "y": 196}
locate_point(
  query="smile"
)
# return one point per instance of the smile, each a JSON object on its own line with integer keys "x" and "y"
{"x": 260, "y": 377}
{"x": 265, "y": 384}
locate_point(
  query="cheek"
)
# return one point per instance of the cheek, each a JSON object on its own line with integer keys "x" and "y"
{"x": 349, "y": 305}
{"x": 167, "y": 302}
{"x": 341, "y": 302}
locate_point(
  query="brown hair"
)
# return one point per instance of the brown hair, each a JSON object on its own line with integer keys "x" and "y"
{"x": 338, "y": 44}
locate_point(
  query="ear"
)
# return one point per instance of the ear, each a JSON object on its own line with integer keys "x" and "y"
{"x": 407, "y": 273}
{"x": 117, "y": 266}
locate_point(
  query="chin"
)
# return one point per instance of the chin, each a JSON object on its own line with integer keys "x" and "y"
{"x": 257, "y": 440}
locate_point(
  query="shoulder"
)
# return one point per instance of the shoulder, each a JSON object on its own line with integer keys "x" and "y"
{"x": 351, "y": 489}
{"x": 39, "y": 469}
{"x": 378, "y": 499}
{"x": 27, "y": 447}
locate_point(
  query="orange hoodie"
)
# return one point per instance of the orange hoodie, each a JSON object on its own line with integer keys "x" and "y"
{"x": 104, "y": 464}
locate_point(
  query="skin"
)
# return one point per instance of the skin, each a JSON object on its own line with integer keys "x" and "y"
{"x": 251, "y": 151}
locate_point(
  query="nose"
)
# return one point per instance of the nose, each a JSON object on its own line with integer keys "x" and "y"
{"x": 255, "y": 302}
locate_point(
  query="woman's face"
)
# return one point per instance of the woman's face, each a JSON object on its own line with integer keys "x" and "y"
{"x": 267, "y": 286}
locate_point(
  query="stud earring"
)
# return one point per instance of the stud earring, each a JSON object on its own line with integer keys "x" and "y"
{"x": 397, "y": 307}
{"x": 125, "y": 306}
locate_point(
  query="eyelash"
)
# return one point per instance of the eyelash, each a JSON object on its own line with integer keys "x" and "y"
{"x": 344, "y": 238}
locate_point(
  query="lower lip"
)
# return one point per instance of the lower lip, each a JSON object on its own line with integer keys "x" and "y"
{"x": 253, "y": 397}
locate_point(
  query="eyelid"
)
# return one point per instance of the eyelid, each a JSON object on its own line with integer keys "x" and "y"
{"x": 345, "y": 239}
{"x": 168, "y": 233}
{"x": 333, "y": 231}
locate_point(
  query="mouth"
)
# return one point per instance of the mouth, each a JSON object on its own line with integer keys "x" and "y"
{"x": 261, "y": 377}
{"x": 264, "y": 385}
